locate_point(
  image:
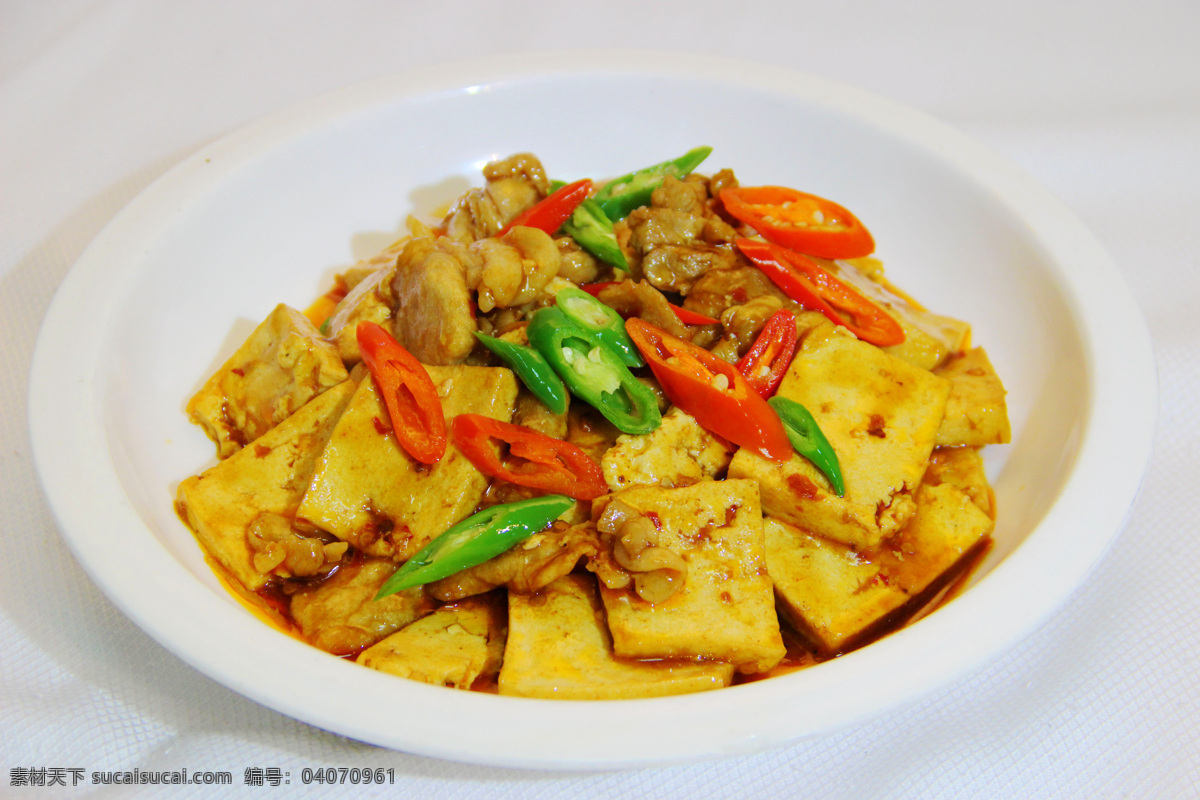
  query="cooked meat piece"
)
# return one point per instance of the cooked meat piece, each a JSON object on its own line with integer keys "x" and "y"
{"x": 719, "y": 289}
{"x": 341, "y": 616}
{"x": 279, "y": 548}
{"x": 533, "y": 564}
{"x": 674, "y": 268}
{"x": 433, "y": 317}
{"x": 690, "y": 196}
{"x": 512, "y": 270}
{"x": 513, "y": 185}
{"x": 643, "y": 300}
{"x": 654, "y": 227}
{"x": 724, "y": 179}
{"x": 576, "y": 264}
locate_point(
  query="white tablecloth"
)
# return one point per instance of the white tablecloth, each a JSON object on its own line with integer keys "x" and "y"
{"x": 1099, "y": 100}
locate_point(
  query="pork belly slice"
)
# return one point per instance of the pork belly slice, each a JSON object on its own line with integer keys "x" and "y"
{"x": 840, "y": 600}
{"x": 267, "y": 478}
{"x": 282, "y": 365}
{"x": 369, "y": 492}
{"x": 559, "y": 648}
{"x": 725, "y": 610}
{"x": 881, "y": 415}
{"x": 454, "y": 646}
{"x": 976, "y": 413}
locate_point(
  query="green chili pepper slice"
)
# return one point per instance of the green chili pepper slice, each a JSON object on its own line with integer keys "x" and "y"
{"x": 531, "y": 367}
{"x": 593, "y": 372}
{"x": 608, "y": 326}
{"x": 617, "y": 198}
{"x": 592, "y": 230}
{"x": 806, "y": 437}
{"x": 476, "y": 539}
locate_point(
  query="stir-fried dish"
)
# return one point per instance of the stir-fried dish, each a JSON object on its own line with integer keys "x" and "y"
{"x": 580, "y": 440}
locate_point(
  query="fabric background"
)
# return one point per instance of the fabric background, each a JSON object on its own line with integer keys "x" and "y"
{"x": 1099, "y": 100}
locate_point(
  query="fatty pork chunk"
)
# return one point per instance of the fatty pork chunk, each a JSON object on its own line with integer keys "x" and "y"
{"x": 281, "y": 366}
{"x": 235, "y": 508}
{"x": 880, "y": 414}
{"x": 840, "y": 600}
{"x": 513, "y": 185}
{"x": 369, "y": 492}
{"x": 456, "y": 646}
{"x": 439, "y": 281}
{"x": 340, "y": 615}
{"x": 560, "y": 648}
{"x": 724, "y": 609}
{"x": 676, "y": 239}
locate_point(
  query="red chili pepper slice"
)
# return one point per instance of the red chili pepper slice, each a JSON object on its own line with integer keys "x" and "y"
{"x": 685, "y": 316}
{"x": 817, "y": 289}
{"x": 768, "y": 359}
{"x": 530, "y": 458}
{"x": 549, "y": 214}
{"x": 408, "y": 392}
{"x": 800, "y": 221}
{"x": 711, "y": 390}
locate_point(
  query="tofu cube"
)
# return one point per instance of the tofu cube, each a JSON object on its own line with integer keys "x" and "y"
{"x": 962, "y": 467}
{"x": 841, "y": 600}
{"x": 725, "y": 610}
{"x": 880, "y": 414}
{"x": 559, "y": 648}
{"x": 976, "y": 413}
{"x": 281, "y": 366}
{"x": 268, "y": 477}
{"x": 341, "y": 615}
{"x": 455, "y": 646}
{"x": 369, "y": 492}
{"x": 677, "y": 453}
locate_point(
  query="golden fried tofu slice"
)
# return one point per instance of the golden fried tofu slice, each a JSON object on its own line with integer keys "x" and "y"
{"x": 679, "y": 452}
{"x": 455, "y": 646}
{"x": 725, "y": 609}
{"x": 369, "y": 492}
{"x": 976, "y": 413}
{"x": 880, "y": 414}
{"x": 559, "y": 648}
{"x": 962, "y": 467}
{"x": 839, "y": 600}
{"x": 341, "y": 615}
{"x": 268, "y": 477}
{"x": 281, "y": 366}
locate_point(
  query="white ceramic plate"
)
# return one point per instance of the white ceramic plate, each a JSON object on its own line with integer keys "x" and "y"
{"x": 267, "y": 214}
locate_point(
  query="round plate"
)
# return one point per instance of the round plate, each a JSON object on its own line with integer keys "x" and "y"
{"x": 269, "y": 213}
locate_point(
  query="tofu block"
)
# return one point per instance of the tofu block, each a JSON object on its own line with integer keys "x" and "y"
{"x": 280, "y": 367}
{"x": 341, "y": 616}
{"x": 369, "y": 492}
{"x": 268, "y": 477}
{"x": 677, "y": 453}
{"x": 962, "y": 467}
{"x": 880, "y": 414}
{"x": 976, "y": 413}
{"x": 840, "y": 600}
{"x": 830, "y": 594}
{"x": 725, "y": 609}
{"x": 559, "y": 648}
{"x": 454, "y": 646}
